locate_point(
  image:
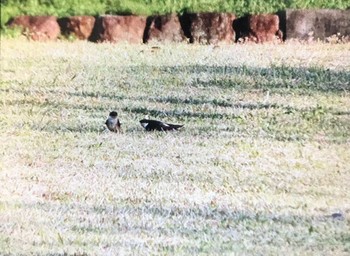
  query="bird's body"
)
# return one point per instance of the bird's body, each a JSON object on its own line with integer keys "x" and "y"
{"x": 113, "y": 123}
{"x": 151, "y": 125}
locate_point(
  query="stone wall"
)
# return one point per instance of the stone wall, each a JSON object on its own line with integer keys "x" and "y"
{"x": 317, "y": 24}
{"x": 202, "y": 28}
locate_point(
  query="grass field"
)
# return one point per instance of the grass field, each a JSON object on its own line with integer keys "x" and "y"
{"x": 259, "y": 168}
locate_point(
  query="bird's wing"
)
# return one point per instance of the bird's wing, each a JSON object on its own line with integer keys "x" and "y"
{"x": 164, "y": 126}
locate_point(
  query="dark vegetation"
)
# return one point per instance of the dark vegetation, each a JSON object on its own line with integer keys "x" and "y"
{"x": 62, "y": 8}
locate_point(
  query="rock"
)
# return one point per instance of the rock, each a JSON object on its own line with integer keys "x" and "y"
{"x": 258, "y": 28}
{"x": 209, "y": 28}
{"x": 79, "y": 26}
{"x": 38, "y": 28}
{"x": 115, "y": 28}
{"x": 265, "y": 28}
{"x": 164, "y": 28}
{"x": 317, "y": 24}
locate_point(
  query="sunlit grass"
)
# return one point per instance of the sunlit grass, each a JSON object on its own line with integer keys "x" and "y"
{"x": 260, "y": 166}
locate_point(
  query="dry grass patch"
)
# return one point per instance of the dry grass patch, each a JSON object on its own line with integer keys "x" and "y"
{"x": 259, "y": 167}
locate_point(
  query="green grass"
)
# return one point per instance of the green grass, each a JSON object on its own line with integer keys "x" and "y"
{"x": 61, "y": 8}
{"x": 261, "y": 164}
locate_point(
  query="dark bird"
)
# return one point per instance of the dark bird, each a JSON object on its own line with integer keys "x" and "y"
{"x": 113, "y": 123}
{"x": 151, "y": 125}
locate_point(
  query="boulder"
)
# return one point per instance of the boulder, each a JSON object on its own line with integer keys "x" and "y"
{"x": 164, "y": 28}
{"x": 79, "y": 26}
{"x": 116, "y": 28}
{"x": 209, "y": 28}
{"x": 317, "y": 24}
{"x": 38, "y": 28}
{"x": 265, "y": 28}
{"x": 258, "y": 28}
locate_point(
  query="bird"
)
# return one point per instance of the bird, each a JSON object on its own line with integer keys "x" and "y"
{"x": 151, "y": 125}
{"x": 113, "y": 123}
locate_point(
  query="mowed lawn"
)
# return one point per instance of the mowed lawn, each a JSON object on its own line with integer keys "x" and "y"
{"x": 261, "y": 167}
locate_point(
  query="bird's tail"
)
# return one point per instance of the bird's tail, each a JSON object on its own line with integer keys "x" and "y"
{"x": 175, "y": 126}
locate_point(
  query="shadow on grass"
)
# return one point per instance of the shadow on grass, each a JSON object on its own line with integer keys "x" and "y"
{"x": 276, "y": 78}
{"x": 219, "y": 103}
{"x": 282, "y": 79}
{"x": 291, "y": 80}
{"x": 68, "y": 128}
{"x": 181, "y": 114}
{"x": 148, "y": 111}
{"x": 313, "y": 78}
{"x": 202, "y": 218}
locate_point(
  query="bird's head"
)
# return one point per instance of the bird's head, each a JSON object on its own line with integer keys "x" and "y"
{"x": 113, "y": 114}
{"x": 144, "y": 122}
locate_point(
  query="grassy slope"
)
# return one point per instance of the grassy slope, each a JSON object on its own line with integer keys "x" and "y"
{"x": 261, "y": 164}
{"x": 12, "y": 8}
